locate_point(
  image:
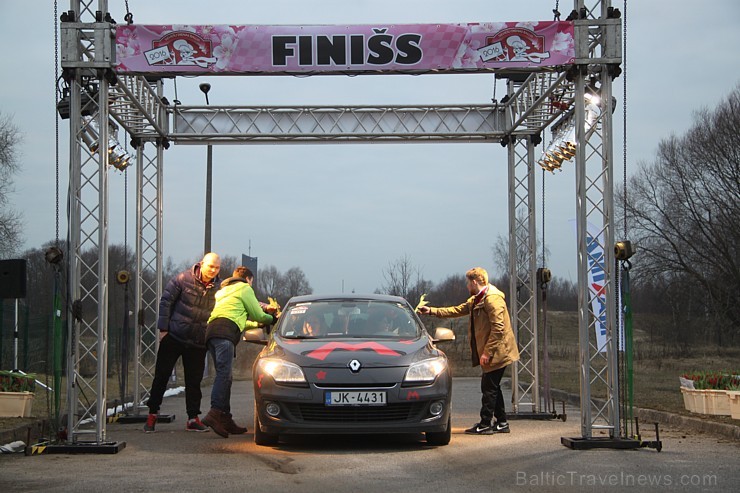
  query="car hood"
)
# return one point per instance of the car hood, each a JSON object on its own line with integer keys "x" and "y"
{"x": 372, "y": 353}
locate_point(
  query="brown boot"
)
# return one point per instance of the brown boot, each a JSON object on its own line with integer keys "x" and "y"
{"x": 232, "y": 427}
{"x": 216, "y": 420}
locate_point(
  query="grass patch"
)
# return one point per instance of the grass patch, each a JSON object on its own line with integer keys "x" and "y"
{"x": 657, "y": 365}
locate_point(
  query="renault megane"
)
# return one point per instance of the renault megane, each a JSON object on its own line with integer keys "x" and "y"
{"x": 351, "y": 364}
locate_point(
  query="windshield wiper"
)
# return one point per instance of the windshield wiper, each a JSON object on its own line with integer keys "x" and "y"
{"x": 300, "y": 337}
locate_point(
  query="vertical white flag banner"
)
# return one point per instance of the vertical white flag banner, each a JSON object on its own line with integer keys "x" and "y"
{"x": 596, "y": 281}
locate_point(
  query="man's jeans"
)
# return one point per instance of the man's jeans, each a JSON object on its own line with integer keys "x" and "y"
{"x": 193, "y": 363}
{"x": 222, "y": 352}
{"x": 492, "y": 400}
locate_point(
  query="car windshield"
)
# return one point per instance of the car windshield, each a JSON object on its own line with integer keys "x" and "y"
{"x": 348, "y": 319}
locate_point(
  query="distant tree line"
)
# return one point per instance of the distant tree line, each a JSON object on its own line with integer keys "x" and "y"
{"x": 404, "y": 279}
{"x": 35, "y": 310}
{"x": 683, "y": 212}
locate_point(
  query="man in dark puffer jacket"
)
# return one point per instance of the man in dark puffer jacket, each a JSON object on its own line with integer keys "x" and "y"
{"x": 184, "y": 308}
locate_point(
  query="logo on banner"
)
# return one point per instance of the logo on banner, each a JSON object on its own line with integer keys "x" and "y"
{"x": 514, "y": 44}
{"x": 597, "y": 277}
{"x": 181, "y": 48}
{"x": 381, "y": 48}
{"x": 596, "y": 282}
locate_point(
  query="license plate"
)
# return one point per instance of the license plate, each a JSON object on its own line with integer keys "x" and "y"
{"x": 362, "y": 398}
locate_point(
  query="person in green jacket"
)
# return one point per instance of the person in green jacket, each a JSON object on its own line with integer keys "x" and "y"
{"x": 236, "y": 309}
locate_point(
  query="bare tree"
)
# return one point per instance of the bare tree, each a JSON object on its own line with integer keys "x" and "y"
{"x": 404, "y": 279}
{"x": 500, "y": 249}
{"x": 10, "y": 220}
{"x": 268, "y": 282}
{"x": 399, "y": 276}
{"x": 295, "y": 283}
{"x": 228, "y": 264}
{"x": 683, "y": 211}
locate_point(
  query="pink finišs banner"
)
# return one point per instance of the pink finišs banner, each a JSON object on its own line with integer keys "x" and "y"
{"x": 232, "y": 50}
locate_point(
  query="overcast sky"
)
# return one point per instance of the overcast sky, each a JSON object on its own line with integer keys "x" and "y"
{"x": 343, "y": 212}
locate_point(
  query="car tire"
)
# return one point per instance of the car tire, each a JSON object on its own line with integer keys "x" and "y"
{"x": 260, "y": 437}
{"x": 438, "y": 437}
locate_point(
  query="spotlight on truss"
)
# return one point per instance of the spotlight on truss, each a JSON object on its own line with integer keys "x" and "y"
{"x": 563, "y": 144}
{"x": 117, "y": 157}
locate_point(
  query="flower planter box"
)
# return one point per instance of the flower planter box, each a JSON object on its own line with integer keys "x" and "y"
{"x": 734, "y": 401}
{"x": 689, "y": 399}
{"x": 706, "y": 401}
{"x": 16, "y": 404}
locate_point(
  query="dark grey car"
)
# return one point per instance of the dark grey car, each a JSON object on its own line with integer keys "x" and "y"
{"x": 351, "y": 364}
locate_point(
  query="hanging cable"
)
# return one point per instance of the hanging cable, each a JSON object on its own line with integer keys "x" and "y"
{"x": 543, "y": 217}
{"x": 623, "y": 251}
{"x": 175, "y": 101}
{"x": 625, "y": 297}
{"x": 129, "y": 17}
{"x": 556, "y": 11}
{"x": 123, "y": 278}
{"x": 56, "y": 120}
{"x": 624, "y": 118}
{"x": 54, "y": 257}
{"x": 125, "y": 216}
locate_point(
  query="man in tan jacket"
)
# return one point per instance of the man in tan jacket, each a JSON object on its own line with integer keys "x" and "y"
{"x": 492, "y": 345}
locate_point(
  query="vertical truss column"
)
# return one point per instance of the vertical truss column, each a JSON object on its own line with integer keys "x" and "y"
{"x": 595, "y": 225}
{"x": 594, "y": 216}
{"x": 148, "y": 268}
{"x": 74, "y": 308}
{"x": 599, "y": 366}
{"x": 86, "y": 54}
{"x": 88, "y": 355}
{"x": 595, "y": 229}
{"x": 522, "y": 272}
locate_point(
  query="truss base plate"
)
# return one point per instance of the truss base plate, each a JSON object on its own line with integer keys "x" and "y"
{"x": 87, "y": 448}
{"x": 141, "y": 418}
{"x": 612, "y": 443}
{"x": 535, "y": 416}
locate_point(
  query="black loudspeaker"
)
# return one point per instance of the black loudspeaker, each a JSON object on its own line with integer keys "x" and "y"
{"x": 13, "y": 278}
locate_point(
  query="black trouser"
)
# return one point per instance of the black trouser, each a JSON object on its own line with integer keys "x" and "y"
{"x": 193, "y": 362}
{"x": 492, "y": 400}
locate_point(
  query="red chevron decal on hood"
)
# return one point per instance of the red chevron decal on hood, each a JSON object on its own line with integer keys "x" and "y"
{"x": 322, "y": 352}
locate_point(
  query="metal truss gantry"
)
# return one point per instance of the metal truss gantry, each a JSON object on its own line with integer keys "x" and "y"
{"x": 535, "y": 101}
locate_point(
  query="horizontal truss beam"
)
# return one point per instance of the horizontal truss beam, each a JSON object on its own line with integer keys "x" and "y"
{"x": 307, "y": 124}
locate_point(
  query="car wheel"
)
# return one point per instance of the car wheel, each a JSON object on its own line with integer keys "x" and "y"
{"x": 438, "y": 437}
{"x": 260, "y": 437}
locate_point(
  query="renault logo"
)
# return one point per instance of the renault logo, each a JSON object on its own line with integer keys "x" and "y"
{"x": 355, "y": 366}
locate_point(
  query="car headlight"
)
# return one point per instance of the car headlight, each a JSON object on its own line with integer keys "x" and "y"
{"x": 425, "y": 371}
{"x": 282, "y": 371}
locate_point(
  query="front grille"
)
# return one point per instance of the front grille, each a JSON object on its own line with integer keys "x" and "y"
{"x": 384, "y": 386}
{"x": 357, "y": 414}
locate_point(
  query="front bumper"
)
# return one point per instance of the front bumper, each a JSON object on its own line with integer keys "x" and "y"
{"x": 303, "y": 411}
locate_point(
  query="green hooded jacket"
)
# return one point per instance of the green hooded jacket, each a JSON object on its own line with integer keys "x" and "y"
{"x": 236, "y": 301}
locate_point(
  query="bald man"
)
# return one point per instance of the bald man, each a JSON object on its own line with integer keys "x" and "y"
{"x": 184, "y": 309}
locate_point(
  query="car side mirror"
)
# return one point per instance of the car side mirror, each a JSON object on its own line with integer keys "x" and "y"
{"x": 442, "y": 334}
{"x": 255, "y": 336}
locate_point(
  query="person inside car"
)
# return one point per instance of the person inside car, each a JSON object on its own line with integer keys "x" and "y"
{"x": 312, "y": 326}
